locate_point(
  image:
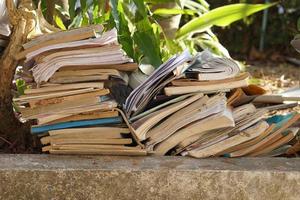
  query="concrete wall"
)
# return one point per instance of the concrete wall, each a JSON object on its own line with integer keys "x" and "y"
{"x": 85, "y": 177}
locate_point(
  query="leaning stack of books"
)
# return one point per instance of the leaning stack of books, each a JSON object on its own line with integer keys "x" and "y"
{"x": 202, "y": 106}
{"x": 74, "y": 80}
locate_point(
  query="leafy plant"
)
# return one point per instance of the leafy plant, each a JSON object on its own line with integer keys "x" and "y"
{"x": 139, "y": 24}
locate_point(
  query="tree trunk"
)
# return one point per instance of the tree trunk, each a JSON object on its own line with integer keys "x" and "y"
{"x": 23, "y": 21}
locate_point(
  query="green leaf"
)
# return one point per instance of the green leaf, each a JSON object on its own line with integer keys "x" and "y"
{"x": 298, "y": 24}
{"x": 72, "y": 8}
{"x": 165, "y": 11}
{"x": 21, "y": 86}
{"x": 59, "y": 22}
{"x": 147, "y": 42}
{"x": 84, "y": 6}
{"x": 121, "y": 24}
{"x": 221, "y": 16}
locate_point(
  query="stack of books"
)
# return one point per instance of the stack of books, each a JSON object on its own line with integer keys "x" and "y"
{"x": 203, "y": 106}
{"x": 76, "y": 81}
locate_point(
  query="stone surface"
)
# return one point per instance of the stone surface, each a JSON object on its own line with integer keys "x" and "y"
{"x": 86, "y": 177}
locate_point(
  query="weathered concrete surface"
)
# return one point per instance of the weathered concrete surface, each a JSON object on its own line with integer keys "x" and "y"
{"x": 72, "y": 177}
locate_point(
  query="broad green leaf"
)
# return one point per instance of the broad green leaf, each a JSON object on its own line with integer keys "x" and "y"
{"x": 72, "y": 8}
{"x": 121, "y": 24}
{"x": 221, "y": 16}
{"x": 147, "y": 43}
{"x": 59, "y": 22}
{"x": 165, "y": 11}
{"x": 84, "y": 5}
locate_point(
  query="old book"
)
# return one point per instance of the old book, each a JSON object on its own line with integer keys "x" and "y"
{"x": 120, "y": 152}
{"x": 241, "y": 112}
{"x": 59, "y": 37}
{"x": 140, "y": 96}
{"x": 79, "y": 79}
{"x": 178, "y": 120}
{"x": 143, "y": 125}
{"x": 211, "y": 67}
{"x": 193, "y": 82}
{"x": 122, "y": 67}
{"x": 64, "y": 87}
{"x": 287, "y": 136}
{"x": 245, "y": 95}
{"x": 48, "y": 95}
{"x": 89, "y": 135}
{"x": 277, "y": 152}
{"x": 294, "y": 148}
{"x": 207, "y": 138}
{"x": 87, "y": 72}
{"x": 246, "y": 135}
{"x": 86, "y": 134}
{"x": 74, "y": 76}
{"x": 84, "y": 105}
{"x": 281, "y": 126}
{"x": 160, "y": 106}
{"x": 106, "y": 38}
{"x": 86, "y": 140}
{"x": 200, "y": 87}
{"x": 107, "y": 55}
{"x": 62, "y": 35}
{"x": 89, "y": 146}
{"x": 76, "y": 124}
{"x": 107, "y": 130}
{"x": 193, "y": 112}
{"x": 250, "y": 142}
{"x": 60, "y": 107}
{"x": 276, "y": 99}
{"x": 223, "y": 120}
{"x": 53, "y": 119}
{"x": 281, "y": 106}
{"x": 58, "y": 100}
{"x": 216, "y": 117}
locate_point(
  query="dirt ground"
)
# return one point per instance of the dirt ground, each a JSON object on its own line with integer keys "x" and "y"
{"x": 275, "y": 77}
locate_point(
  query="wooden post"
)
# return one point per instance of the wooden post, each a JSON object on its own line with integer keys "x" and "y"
{"x": 23, "y": 20}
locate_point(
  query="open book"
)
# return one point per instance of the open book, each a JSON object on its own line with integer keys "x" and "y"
{"x": 138, "y": 99}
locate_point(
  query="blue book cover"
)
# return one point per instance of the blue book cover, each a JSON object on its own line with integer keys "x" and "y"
{"x": 280, "y": 120}
{"x": 76, "y": 124}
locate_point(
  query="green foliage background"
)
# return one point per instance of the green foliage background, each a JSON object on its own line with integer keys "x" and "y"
{"x": 241, "y": 36}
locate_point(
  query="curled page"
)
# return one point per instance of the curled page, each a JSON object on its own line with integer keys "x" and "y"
{"x": 210, "y": 67}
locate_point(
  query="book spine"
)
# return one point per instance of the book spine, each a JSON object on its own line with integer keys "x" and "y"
{"x": 41, "y": 129}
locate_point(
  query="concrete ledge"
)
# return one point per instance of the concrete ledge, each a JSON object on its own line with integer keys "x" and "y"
{"x": 86, "y": 177}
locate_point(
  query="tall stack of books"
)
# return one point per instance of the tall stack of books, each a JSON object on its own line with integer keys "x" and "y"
{"x": 202, "y": 106}
{"x": 76, "y": 80}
